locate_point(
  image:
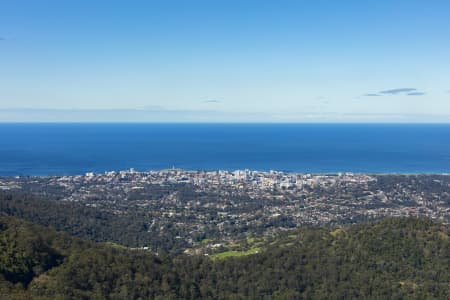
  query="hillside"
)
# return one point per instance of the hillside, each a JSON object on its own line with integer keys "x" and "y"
{"x": 392, "y": 258}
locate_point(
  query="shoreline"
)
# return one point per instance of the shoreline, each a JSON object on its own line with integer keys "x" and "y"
{"x": 171, "y": 170}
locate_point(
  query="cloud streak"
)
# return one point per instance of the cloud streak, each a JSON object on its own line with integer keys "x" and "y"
{"x": 416, "y": 94}
{"x": 398, "y": 91}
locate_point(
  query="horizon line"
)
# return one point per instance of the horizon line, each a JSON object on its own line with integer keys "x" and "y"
{"x": 232, "y": 122}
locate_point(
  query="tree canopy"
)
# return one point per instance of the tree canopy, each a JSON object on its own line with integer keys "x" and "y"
{"x": 392, "y": 258}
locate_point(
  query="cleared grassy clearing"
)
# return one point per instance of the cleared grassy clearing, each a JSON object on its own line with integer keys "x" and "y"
{"x": 233, "y": 253}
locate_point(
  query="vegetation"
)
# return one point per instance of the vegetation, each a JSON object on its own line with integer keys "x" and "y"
{"x": 88, "y": 222}
{"x": 234, "y": 253}
{"x": 177, "y": 211}
{"x": 388, "y": 259}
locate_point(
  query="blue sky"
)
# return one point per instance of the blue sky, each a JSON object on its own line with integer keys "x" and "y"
{"x": 225, "y": 61}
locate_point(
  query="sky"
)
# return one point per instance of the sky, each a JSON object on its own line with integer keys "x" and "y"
{"x": 225, "y": 61}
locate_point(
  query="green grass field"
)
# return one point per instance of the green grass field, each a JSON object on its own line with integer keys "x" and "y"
{"x": 233, "y": 253}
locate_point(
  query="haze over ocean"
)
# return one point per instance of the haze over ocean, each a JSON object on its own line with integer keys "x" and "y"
{"x": 57, "y": 149}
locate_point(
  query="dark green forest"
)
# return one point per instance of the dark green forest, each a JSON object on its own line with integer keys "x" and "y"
{"x": 397, "y": 258}
{"x": 129, "y": 229}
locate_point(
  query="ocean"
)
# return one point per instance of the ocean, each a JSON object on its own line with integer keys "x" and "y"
{"x": 70, "y": 149}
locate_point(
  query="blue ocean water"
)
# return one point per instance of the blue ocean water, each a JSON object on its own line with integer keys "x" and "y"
{"x": 56, "y": 149}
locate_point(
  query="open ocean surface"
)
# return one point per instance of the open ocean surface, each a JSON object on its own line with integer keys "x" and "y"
{"x": 56, "y": 149}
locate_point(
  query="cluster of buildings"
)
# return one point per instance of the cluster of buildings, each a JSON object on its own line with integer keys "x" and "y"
{"x": 218, "y": 205}
{"x": 239, "y": 179}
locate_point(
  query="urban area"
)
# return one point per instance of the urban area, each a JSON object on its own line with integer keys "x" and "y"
{"x": 210, "y": 208}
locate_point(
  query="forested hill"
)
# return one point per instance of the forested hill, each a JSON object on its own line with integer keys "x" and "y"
{"x": 389, "y": 259}
{"x": 80, "y": 220}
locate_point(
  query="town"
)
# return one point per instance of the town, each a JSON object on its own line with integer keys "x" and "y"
{"x": 219, "y": 206}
